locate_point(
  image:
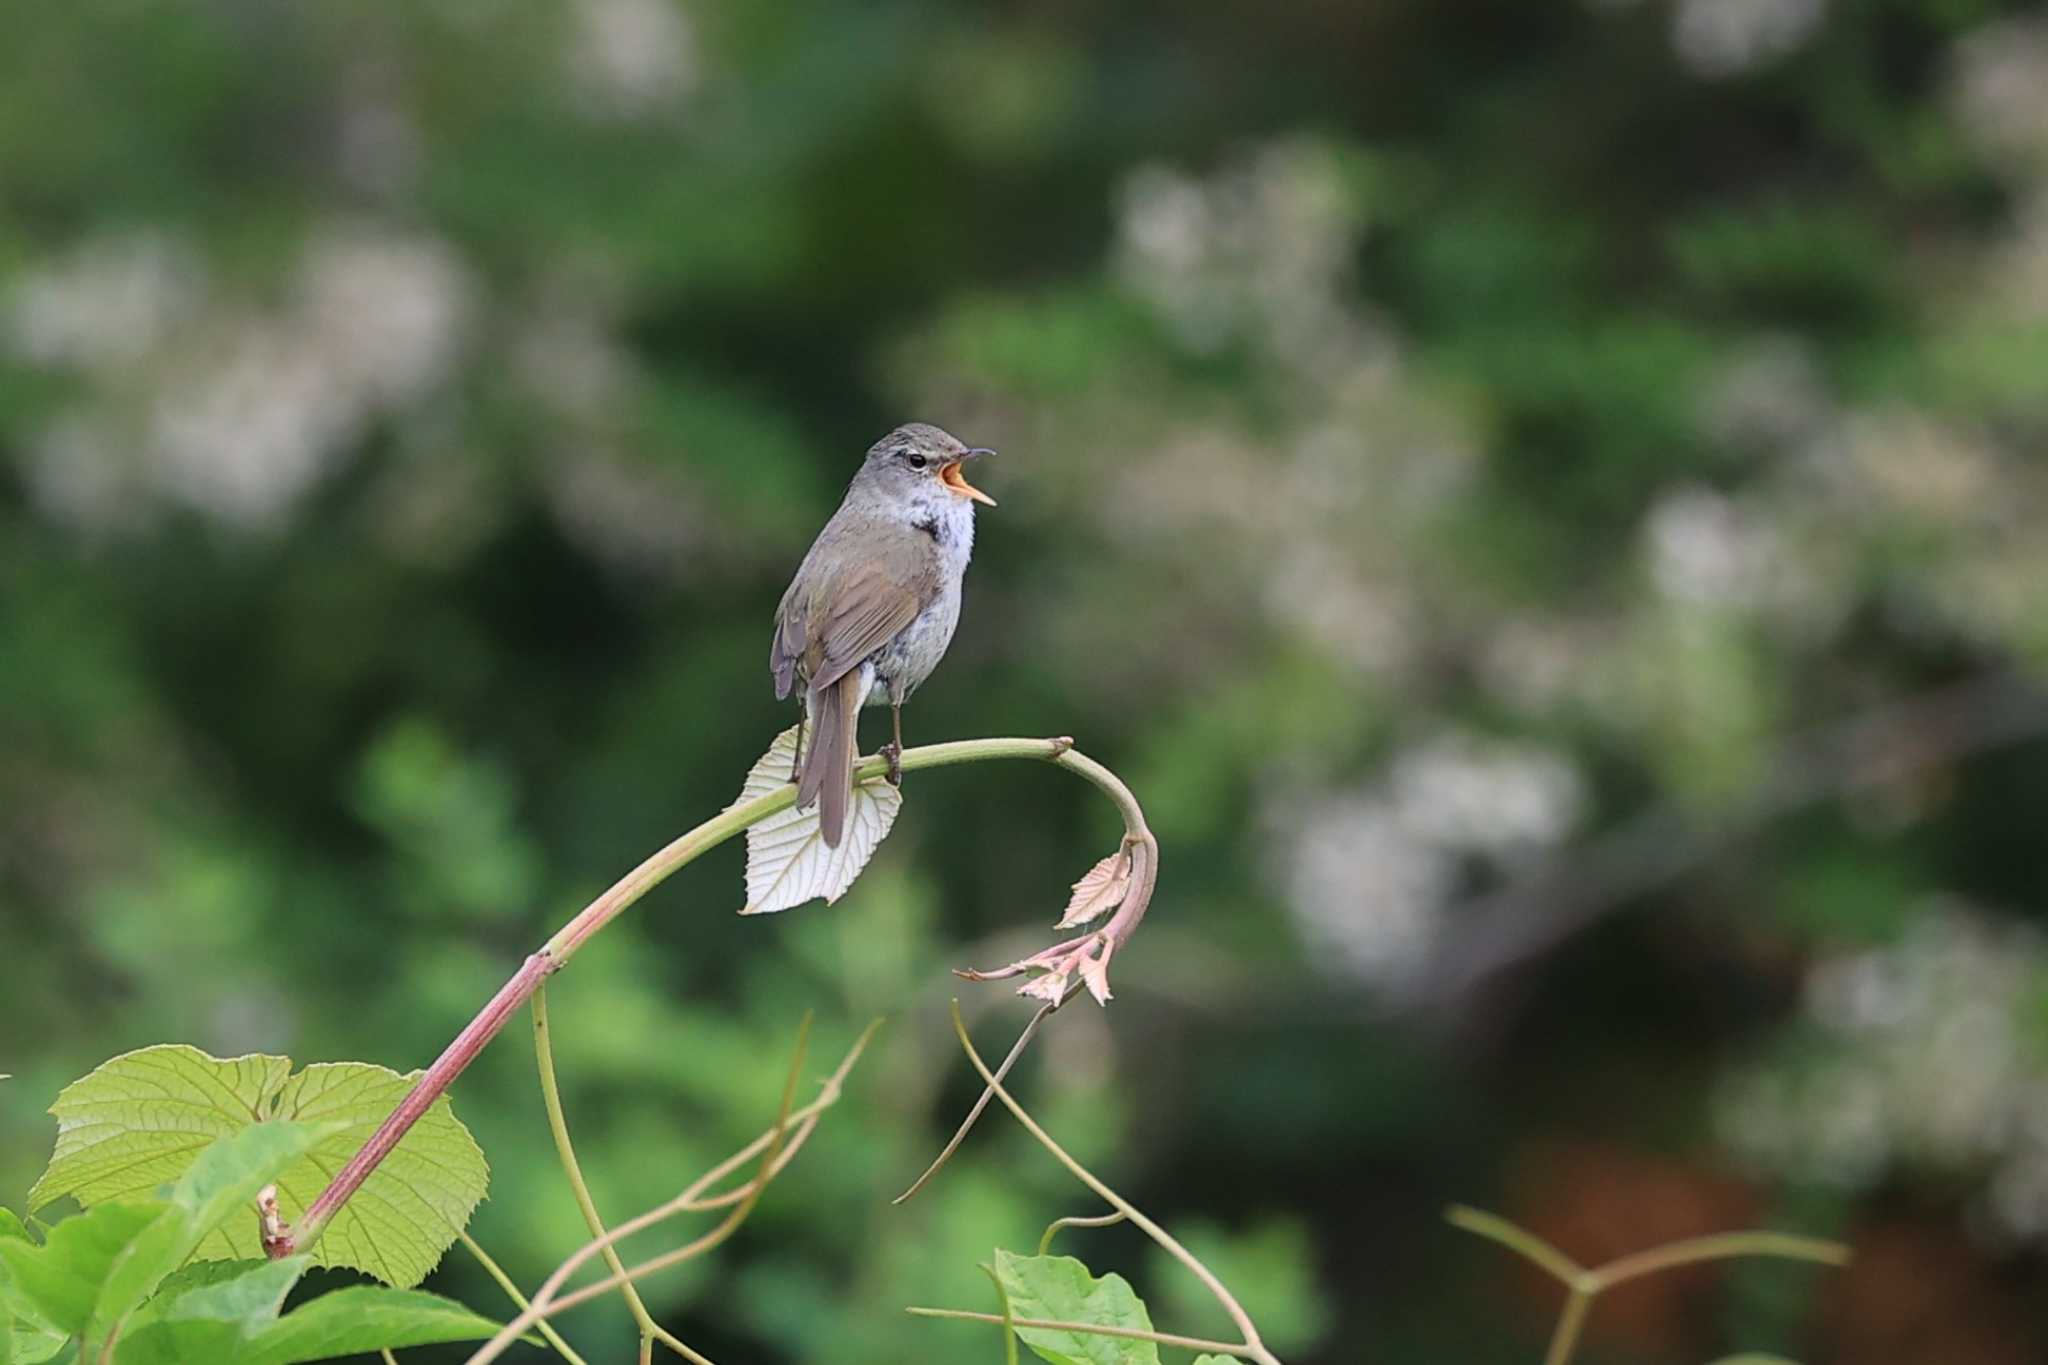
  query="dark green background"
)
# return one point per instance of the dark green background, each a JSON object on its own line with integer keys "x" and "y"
{"x": 1446, "y": 447}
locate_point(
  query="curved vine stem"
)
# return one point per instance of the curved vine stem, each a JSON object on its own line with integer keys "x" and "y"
{"x": 558, "y": 1124}
{"x": 1009, "y": 1318}
{"x": 987, "y": 1094}
{"x": 1078, "y": 963}
{"x": 774, "y": 1146}
{"x": 1105, "y": 1220}
{"x": 659, "y": 867}
{"x": 1097, "y": 1329}
{"x": 1584, "y": 1284}
{"x": 1251, "y": 1348}
{"x": 497, "y": 1272}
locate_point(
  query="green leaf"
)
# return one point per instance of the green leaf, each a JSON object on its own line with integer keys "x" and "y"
{"x": 27, "y": 1337}
{"x": 159, "y": 1342}
{"x": 210, "y": 1312}
{"x": 225, "y": 1179}
{"x": 412, "y": 1207}
{"x": 227, "y": 1314}
{"x": 62, "y": 1278}
{"x": 137, "y": 1121}
{"x": 137, "y": 1269}
{"x": 221, "y": 1185}
{"x": 364, "y": 1318}
{"x": 1216, "y": 1360}
{"x": 140, "y": 1120}
{"x": 787, "y": 861}
{"x": 229, "y": 1291}
{"x": 1060, "y": 1287}
{"x": 33, "y": 1344}
{"x": 99, "y": 1267}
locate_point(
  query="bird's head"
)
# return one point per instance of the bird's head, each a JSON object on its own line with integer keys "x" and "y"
{"x": 918, "y": 459}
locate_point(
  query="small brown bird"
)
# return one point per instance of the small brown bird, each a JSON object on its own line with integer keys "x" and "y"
{"x": 872, "y": 607}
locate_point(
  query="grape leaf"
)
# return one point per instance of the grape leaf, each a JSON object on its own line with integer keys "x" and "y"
{"x": 1060, "y": 1288}
{"x": 787, "y": 861}
{"x": 413, "y": 1206}
{"x": 139, "y": 1120}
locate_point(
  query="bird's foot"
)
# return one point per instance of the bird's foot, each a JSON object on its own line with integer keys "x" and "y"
{"x": 894, "y": 753}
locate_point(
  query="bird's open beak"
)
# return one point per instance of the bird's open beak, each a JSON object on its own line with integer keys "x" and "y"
{"x": 951, "y": 476}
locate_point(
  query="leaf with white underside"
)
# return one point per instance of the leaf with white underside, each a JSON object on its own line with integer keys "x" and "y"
{"x": 1101, "y": 890}
{"x": 787, "y": 861}
{"x": 138, "y": 1121}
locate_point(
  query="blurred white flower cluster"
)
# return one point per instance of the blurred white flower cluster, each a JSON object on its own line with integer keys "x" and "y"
{"x": 2001, "y": 90}
{"x": 1931, "y": 1053}
{"x": 1722, "y": 38}
{"x": 631, "y": 58}
{"x": 1257, "y": 257}
{"x": 1370, "y": 874}
{"x": 1307, "y": 520}
{"x": 1258, "y": 253}
{"x": 197, "y": 397}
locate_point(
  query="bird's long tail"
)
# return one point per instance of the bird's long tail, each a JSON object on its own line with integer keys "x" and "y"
{"x": 827, "y": 776}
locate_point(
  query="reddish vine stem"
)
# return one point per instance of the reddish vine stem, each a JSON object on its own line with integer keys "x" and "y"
{"x": 451, "y": 1063}
{"x": 657, "y": 868}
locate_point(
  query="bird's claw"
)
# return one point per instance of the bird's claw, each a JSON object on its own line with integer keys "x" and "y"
{"x": 894, "y": 753}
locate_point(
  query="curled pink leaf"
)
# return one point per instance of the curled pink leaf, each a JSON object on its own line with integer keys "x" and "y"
{"x": 1051, "y": 988}
{"x": 1101, "y": 889}
{"x": 1095, "y": 973}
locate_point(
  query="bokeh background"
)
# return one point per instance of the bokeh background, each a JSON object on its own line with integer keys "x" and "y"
{"x": 1545, "y": 503}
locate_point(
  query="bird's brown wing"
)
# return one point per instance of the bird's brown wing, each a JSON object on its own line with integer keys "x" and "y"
{"x": 791, "y": 636}
{"x": 862, "y": 608}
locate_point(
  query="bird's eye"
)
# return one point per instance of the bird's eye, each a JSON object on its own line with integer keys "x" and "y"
{"x": 915, "y": 458}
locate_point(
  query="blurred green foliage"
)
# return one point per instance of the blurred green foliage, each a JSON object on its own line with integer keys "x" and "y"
{"x": 1435, "y": 436}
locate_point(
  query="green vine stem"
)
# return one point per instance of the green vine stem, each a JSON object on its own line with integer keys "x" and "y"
{"x": 558, "y": 1125}
{"x": 775, "y": 1147}
{"x": 1522, "y": 1242}
{"x": 1106, "y": 1220}
{"x": 1009, "y": 1318}
{"x": 1584, "y": 1284}
{"x": 960, "y": 1133}
{"x": 1251, "y": 1348}
{"x": 1564, "y": 1338}
{"x": 497, "y": 1272}
{"x": 1718, "y": 1247}
{"x": 735, "y": 819}
{"x": 1097, "y": 1329}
